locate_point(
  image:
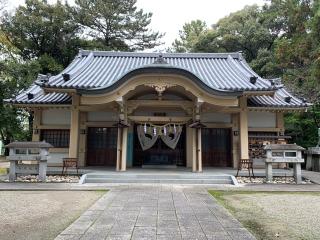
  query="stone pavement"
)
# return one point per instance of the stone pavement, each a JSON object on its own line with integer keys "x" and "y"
{"x": 165, "y": 212}
{"x": 313, "y": 176}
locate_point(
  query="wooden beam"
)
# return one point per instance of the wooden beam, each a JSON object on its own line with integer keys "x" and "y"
{"x": 54, "y": 127}
{"x": 158, "y": 119}
{"x": 217, "y": 125}
{"x": 264, "y": 129}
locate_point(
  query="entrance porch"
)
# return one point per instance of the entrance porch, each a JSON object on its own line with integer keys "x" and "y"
{"x": 107, "y": 131}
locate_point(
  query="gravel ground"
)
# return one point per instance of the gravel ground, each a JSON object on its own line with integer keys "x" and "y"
{"x": 49, "y": 179}
{"x": 41, "y": 214}
{"x": 278, "y": 215}
{"x": 276, "y": 180}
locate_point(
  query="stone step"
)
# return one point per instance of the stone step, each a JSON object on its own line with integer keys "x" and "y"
{"x": 196, "y": 178}
{"x": 174, "y": 181}
{"x": 158, "y": 176}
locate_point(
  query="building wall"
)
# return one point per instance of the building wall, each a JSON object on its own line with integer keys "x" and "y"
{"x": 53, "y": 118}
{"x": 56, "y": 117}
{"x": 215, "y": 117}
{"x": 56, "y": 156}
{"x": 262, "y": 119}
{"x": 102, "y": 116}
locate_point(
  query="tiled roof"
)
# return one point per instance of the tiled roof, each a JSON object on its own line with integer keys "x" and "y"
{"x": 35, "y": 95}
{"x": 281, "y": 99}
{"x": 276, "y": 101}
{"x": 225, "y": 72}
{"x": 219, "y": 71}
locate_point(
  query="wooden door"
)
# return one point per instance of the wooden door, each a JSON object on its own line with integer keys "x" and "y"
{"x": 216, "y": 147}
{"x": 102, "y": 146}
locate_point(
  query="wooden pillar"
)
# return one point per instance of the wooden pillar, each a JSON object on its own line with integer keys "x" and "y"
{"x": 197, "y": 160}
{"x": 244, "y": 145}
{"x": 280, "y": 121}
{"x": 199, "y": 150}
{"x": 83, "y": 139}
{"x": 122, "y": 137}
{"x": 37, "y": 115}
{"x": 74, "y": 128}
{"x": 194, "y": 150}
{"x": 235, "y": 140}
{"x": 189, "y": 146}
{"x": 119, "y": 143}
{"x": 124, "y": 149}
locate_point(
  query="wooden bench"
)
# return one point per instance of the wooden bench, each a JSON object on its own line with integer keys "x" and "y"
{"x": 245, "y": 164}
{"x": 69, "y": 163}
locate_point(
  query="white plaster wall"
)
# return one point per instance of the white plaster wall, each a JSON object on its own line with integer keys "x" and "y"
{"x": 262, "y": 119}
{"x": 56, "y": 158}
{"x": 56, "y": 117}
{"x": 215, "y": 117}
{"x": 102, "y": 116}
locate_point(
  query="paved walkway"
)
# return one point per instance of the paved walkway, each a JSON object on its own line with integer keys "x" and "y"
{"x": 313, "y": 176}
{"x": 156, "y": 212}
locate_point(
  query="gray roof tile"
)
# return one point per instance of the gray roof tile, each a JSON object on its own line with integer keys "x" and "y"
{"x": 277, "y": 101}
{"x": 39, "y": 97}
{"x": 220, "y": 71}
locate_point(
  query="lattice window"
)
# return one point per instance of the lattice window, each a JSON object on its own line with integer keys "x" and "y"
{"x": 59, "y": 138}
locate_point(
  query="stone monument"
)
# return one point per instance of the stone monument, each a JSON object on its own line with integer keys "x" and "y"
{"x": 284, "y": 153}
{"x": 313, "y": 156}
{"x": 28, "y": 158}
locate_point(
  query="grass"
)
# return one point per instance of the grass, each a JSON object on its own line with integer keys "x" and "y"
{"x": 3, "y": 171}
{"x": 248, "y": 208}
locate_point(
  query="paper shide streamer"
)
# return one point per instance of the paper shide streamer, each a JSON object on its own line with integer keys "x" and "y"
{"x": 149, "y": 133}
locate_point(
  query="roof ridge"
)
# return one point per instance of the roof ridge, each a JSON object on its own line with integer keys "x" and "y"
{"x": 156, "y": 54}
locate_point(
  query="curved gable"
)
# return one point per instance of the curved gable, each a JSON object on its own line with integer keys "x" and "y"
{"x": 159, "y": 70}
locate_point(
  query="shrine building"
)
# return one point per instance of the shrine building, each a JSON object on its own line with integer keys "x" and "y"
{"x": 121, "y": 109}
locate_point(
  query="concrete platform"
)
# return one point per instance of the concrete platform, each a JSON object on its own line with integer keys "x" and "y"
{"x": 170, "y": 176}
{"x": 180, "y": 170}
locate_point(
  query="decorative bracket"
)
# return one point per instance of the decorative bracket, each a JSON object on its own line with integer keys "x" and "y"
{"x": 160, "y": 87}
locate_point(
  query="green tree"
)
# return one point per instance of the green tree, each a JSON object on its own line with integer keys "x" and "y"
{"x": 280, "y": 39}
{"x": 37, "y": 37}
{"x": 246, "y": 30}
{"x": 116, "y": 24}
{"x": 189, "y": 36}
{"x": 39, "y": 29}
{"x": 14, "y": 76}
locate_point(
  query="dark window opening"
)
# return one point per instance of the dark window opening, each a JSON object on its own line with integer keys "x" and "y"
{"x": 57, "y": 137}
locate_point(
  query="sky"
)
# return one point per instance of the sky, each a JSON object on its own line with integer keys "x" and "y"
{"x": 170, "y": 15}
